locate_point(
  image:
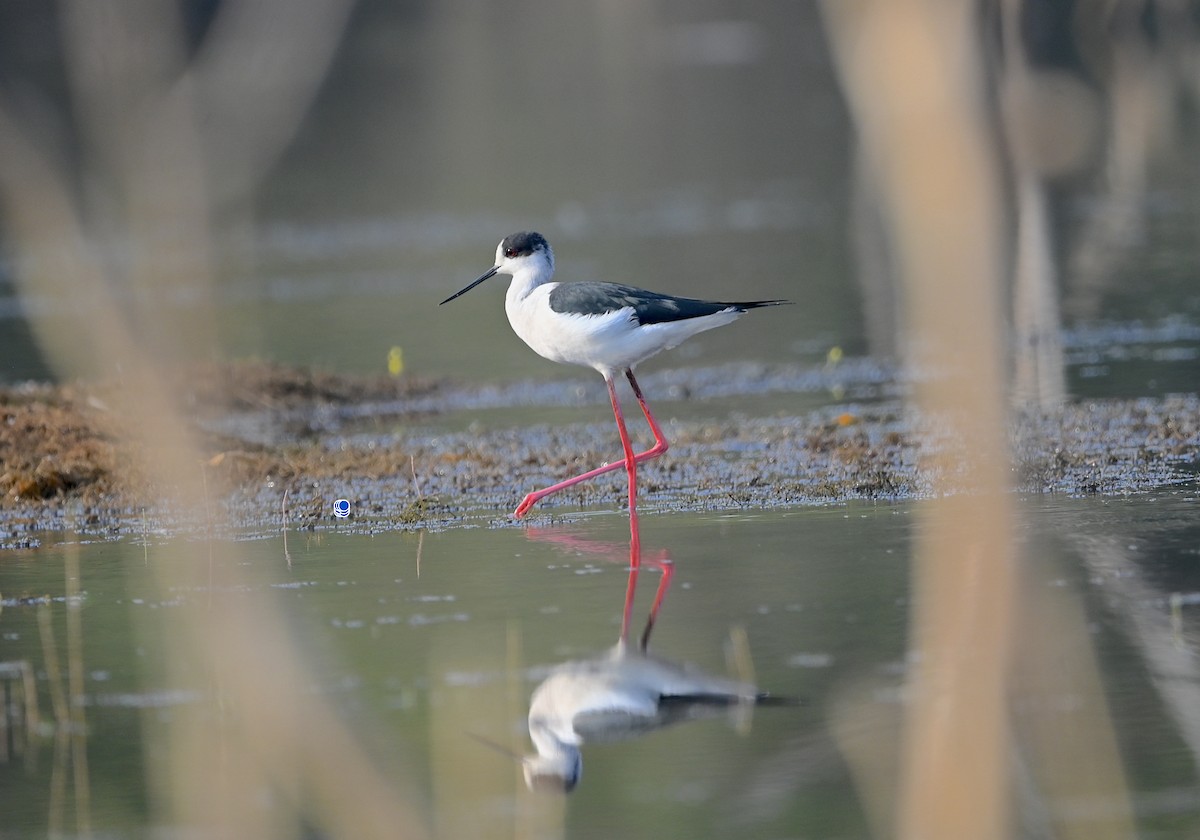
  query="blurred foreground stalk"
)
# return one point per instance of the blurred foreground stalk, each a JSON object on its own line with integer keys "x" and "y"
{"x": 118, "y": 224}
{"x": 913, "y": 74}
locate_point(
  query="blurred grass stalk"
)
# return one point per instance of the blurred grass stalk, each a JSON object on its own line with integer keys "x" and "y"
{"x": 913, "y": 73}
{"x": 117, "y": 219}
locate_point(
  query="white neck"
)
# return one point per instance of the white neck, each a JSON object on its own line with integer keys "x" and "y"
{"x": 527, "y": 277}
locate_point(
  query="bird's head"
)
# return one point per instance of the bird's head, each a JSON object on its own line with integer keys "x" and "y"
{"x": 525, "y": 249}
{"x": 555, "y": 768}
{"x": 517, "y": 252}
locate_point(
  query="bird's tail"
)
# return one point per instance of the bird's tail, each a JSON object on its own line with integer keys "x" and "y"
{"x": 744, "y": 305}
{"x": 761, "y": 699}
{"x": 765, "y": 699}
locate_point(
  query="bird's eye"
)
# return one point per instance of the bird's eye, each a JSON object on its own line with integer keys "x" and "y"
{"x": 510, "y": 252}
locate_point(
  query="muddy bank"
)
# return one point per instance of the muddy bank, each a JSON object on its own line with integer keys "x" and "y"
{"x": 280, "y": 443}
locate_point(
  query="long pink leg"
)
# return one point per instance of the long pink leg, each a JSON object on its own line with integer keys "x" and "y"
{"x": 635, "y": 539}
{"x": 660, "y": 446}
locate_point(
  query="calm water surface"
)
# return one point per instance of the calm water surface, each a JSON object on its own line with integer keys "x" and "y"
{"x": 422, "y": 640}
{"x": 438, "y": 132}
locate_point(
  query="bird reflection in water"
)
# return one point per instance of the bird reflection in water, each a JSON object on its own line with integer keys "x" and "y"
{"x": 621, "y": 694}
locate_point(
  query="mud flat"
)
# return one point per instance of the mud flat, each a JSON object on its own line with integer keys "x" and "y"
{"x": 280, "y": 445}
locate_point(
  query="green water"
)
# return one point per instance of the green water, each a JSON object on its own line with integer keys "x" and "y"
{"x": 419, "y": 641}
{"x": 645, "y": 160}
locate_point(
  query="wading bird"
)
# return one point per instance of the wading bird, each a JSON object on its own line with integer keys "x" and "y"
{"x": 606, "y": 326}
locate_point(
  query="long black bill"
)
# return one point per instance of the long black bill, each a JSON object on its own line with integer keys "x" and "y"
{"x": 488, "y": 274}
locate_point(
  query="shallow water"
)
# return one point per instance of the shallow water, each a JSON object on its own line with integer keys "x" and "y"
{"x": 440, "y": 131}
{"x": 420, "y": 641}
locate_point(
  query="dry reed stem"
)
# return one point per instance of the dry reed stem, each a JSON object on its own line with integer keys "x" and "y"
{"x": 913, "y": 75}
{"x": 161, "y": 133}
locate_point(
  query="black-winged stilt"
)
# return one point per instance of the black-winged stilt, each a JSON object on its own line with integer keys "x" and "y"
{"x": 606, "y": 326}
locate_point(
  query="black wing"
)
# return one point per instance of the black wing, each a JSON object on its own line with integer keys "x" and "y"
{"x": 595, "y": 298}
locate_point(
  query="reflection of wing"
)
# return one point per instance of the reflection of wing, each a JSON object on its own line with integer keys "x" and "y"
{"x": 670, "y": 679}
{"x": 608, "y": 726}
{"x": 625, "y": 694}
{"x": 593, "y": 686}
{"x": 604, "y": 727}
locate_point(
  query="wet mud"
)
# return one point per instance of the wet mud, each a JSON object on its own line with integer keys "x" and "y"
{"x": 280, "y": 445}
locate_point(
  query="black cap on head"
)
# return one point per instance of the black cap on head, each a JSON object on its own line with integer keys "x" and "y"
{"x": 523, "y": 244}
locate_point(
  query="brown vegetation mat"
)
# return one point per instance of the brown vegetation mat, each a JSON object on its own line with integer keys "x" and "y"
{"x": 66, "y": 442}
{"x": 276, "y": 439}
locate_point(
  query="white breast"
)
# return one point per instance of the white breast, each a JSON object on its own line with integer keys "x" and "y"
{"x": 610, "y": 343}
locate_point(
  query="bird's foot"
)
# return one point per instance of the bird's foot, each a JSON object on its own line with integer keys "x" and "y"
{"x": 526, "y": 505}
